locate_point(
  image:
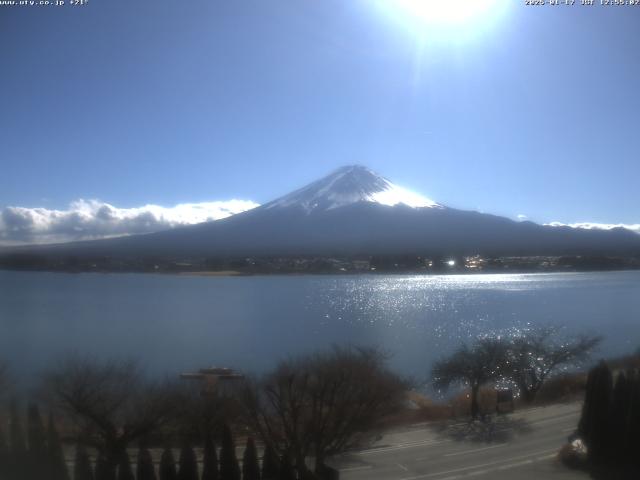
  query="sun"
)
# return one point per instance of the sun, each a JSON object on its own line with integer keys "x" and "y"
{"x": 456, "y": 20}
{"x": 444, "y": 12}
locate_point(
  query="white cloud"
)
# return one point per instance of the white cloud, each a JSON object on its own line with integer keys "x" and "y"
{"x": 522, "y": 216}
{"x": 93, "y": 219}
{"x": 597, "y": 226}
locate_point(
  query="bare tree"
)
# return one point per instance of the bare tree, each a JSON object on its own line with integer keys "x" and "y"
{"x": 111, "y": 403}
{"x": 323, "y": 404}
{"x": 472, "y": 366}
{"x": 201, "y": 412}
{"x": 535, "y": 355}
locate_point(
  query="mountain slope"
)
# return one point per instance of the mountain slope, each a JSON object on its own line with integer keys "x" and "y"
{"x": 355, "y": 211}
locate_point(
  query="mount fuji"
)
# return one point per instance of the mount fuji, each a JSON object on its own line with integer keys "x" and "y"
{"x": 354, "y": 211}
{"x": 350, "y": 185}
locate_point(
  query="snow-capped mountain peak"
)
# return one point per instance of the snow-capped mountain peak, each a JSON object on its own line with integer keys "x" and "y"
{"x": 349, "y": 185}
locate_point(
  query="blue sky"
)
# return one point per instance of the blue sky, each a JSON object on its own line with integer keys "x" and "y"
{"x": 520, "y": 110}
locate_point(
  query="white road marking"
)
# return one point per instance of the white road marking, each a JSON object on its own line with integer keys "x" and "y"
{"x": 400, "y": 446}
{"x": 455, "y": 454}
{"x": 479, "y": 466}
{"x": 512, "y": 465}
{"x": 424, "y": 443}
{"x": 355, "y": 469}
{"x": 478, "y": 472}
{"x": 422, "y": 458}
{"x": 558, "y": 418}
{"x": 505, "y": 467}
{"x": 562, "y": 418}
{"x": 547, "y": 457}
{"x": 421, "y": 443}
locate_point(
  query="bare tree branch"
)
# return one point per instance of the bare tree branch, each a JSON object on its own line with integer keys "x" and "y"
{"x": 537, "y": 353}
{"x": 472, "y": 366}
{"x": 111, "y": 402}
{"x": 323, "y": 404}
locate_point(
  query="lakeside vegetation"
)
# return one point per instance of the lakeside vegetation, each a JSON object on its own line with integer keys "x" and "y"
{"x": 309, "y": 264}
{"x": 298, "y": 416}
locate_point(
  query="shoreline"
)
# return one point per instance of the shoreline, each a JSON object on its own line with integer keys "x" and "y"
{"x": 206, "y": 273}
{"x": 238, "y": 273}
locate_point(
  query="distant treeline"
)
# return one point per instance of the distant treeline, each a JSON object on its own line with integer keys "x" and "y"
{"x": 318, "y": 264}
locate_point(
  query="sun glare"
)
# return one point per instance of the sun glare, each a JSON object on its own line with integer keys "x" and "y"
{"x": 445, "y": 19}
{"x": 445, "y": 12}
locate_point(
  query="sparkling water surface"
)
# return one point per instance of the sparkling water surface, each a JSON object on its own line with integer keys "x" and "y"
{"x": 174, "y": 323}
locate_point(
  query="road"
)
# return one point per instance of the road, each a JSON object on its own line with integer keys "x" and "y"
{"x": 519, "y": 446}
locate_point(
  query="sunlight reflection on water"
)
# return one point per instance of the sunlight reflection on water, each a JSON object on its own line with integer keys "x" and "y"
{"x": 178, "y": 322}
{"x": 410, "y": 313}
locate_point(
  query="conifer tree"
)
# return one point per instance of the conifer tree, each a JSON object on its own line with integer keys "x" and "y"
{"x": 18, "y": 463}
{"x": 82, "y": 465}
{"x": 145, "y": 470}
{"x": 250, "y": 465}
{"x": 103, "y": 469}
{"x": 56, "y": 463}
{"x": 188, "y": 464}
{"x": 286, "y": 468}
{"x": 229, "y": 468}
{"x": 17, "y": 441}
{"x": 594, "y": 423}
{"x": 270, "y": 464}
{"x": 620, "y": 404}
{"x": 633, "y": 420}
{"x": 37, "y": 450}
{"x": 210, "y": 459}
{"x": 125, "y": 472}
{"x": 168, "y": 466}
{"x": 585, "y": 423}
{"x": 4, "y": 456}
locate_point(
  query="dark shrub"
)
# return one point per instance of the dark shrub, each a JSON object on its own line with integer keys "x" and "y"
{"x": 270, "y": 464}
{"x": 125, "y": 472}
{"x": 229, "y": 468}
{"x": 188, "y": 464}
{"x": 250, "y": 466}
{"x": 168, "y": 466}
{"x": 145, "y": 470}
{"x": 56, "y": 463}
{"x": 82, "y": 465}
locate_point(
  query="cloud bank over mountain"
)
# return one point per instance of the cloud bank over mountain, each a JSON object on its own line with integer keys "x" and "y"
{"x": 598, "y": 226}
{"x": 94, "y": 219}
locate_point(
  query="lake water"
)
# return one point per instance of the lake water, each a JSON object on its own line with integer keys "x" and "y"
{"x": 178, "y": 323}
